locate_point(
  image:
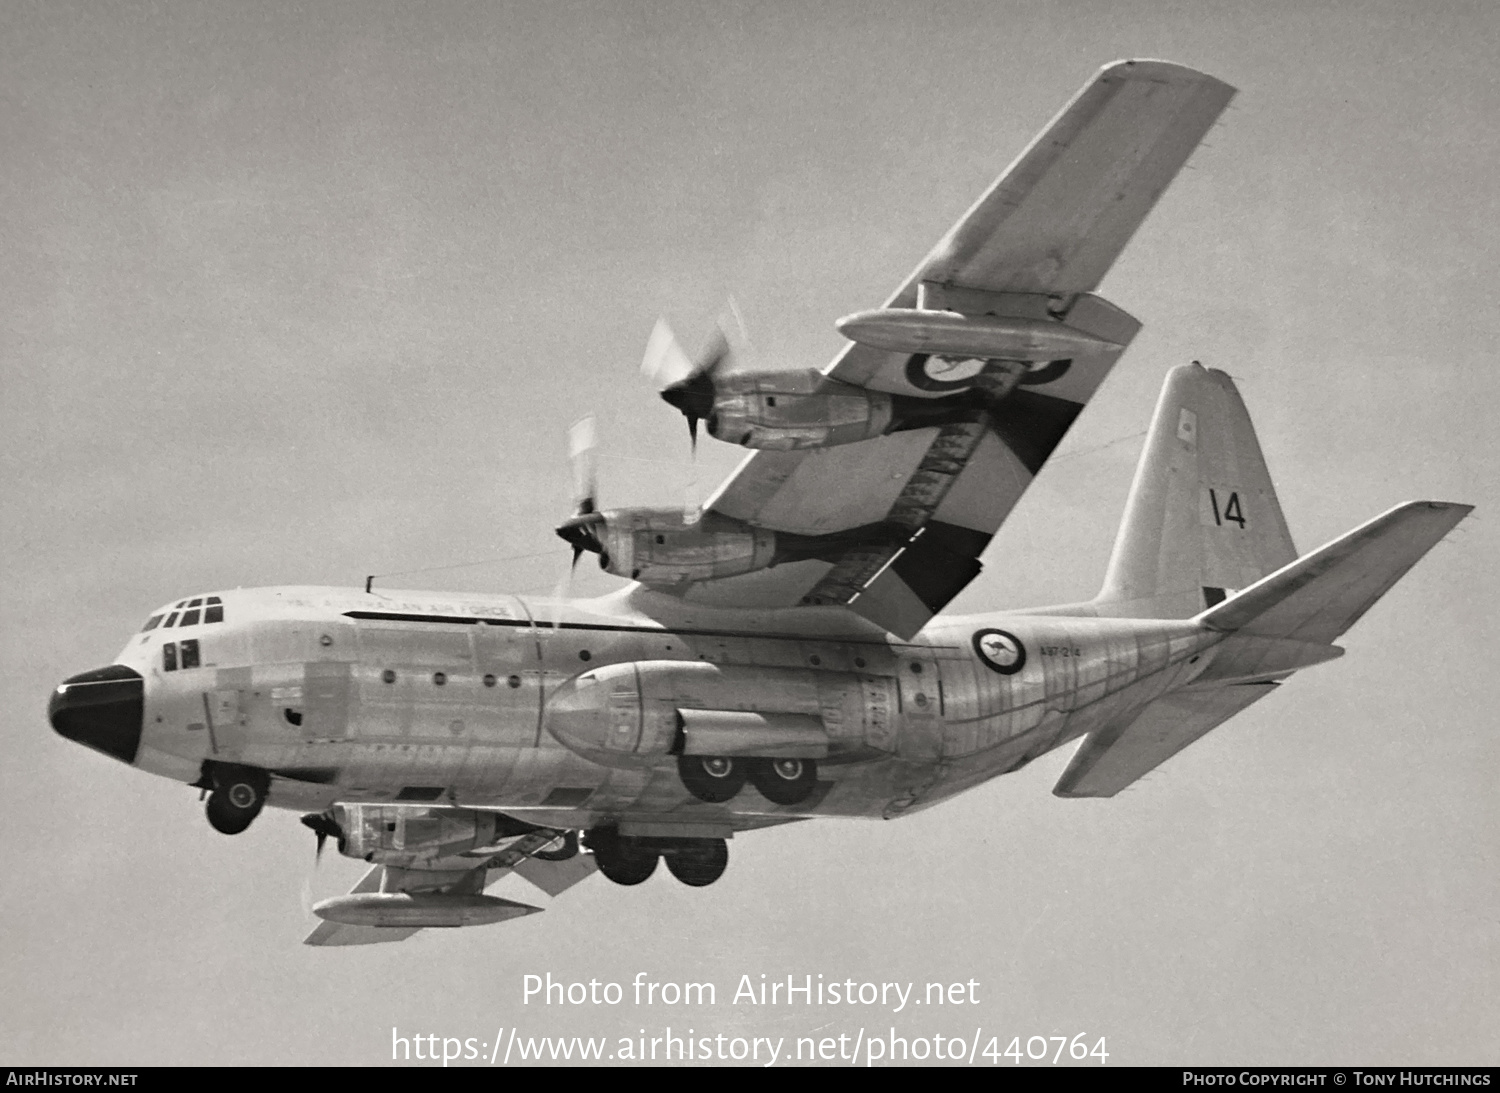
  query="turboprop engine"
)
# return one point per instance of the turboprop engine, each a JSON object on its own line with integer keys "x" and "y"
{"x": 407, "y": 837}
{"x": 789, "y": 410}
{"x": 670, "y": 546}
{"x": 432, "y": 878}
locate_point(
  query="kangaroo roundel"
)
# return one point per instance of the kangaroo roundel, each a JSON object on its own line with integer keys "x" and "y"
{"x": 1000, "y": 650}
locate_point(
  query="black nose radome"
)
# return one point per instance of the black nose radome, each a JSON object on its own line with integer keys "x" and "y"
{"x": 102, "y": 709}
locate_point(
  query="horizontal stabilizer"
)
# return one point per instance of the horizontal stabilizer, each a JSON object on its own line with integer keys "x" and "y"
{"x": 1322, "y": 594}
{"x": 1117, "y": 755}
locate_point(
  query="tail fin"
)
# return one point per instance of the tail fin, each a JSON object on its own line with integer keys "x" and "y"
{"x": 1318, "y": 597}
{"x": 1202, "y": 520}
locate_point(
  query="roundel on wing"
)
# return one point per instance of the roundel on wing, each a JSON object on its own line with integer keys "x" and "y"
{"x": 1000, "y": 650}
{"x": 929, "y": 373}
{"x": 1046, "y": 373}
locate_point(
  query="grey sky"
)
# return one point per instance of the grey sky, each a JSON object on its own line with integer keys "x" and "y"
{"x": 295, "y": 293}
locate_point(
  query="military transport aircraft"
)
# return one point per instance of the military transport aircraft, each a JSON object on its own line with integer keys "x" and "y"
{"x": 776, "y": 656}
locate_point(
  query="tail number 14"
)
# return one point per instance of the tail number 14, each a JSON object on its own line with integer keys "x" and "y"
{"x": 1226, "y": 509}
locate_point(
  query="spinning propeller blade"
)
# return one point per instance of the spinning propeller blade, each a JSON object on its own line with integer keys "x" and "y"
{"x": 323, "y": 825}
{"x": 581, "y": 530}
{"x": 687, "y": 384}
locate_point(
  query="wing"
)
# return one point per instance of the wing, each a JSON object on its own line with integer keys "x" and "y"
{"x": 1031, "y": 248}
{"x": 552, "y": 877}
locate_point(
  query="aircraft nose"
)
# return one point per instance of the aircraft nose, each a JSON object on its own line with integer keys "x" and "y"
{"x": 102, "y": 709}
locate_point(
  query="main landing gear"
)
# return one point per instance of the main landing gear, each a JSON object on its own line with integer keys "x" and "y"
{"x": 239, "y": 793}
{"x": 629, "y": 859}
{"x": 717, "y": 778}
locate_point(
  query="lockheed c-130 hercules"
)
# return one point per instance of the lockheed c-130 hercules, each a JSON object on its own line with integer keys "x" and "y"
{"x": 778, "y": 656}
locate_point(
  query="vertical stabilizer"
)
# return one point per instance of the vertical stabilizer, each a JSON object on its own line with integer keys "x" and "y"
{"x": 1202, "y": 520}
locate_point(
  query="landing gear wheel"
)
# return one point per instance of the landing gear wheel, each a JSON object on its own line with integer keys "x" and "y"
{"x": 237, "y": 799}
{"x": 620, "y": 858}
{"x": 712, "y": 778}
{"x": 785, "y": 781}
{"x": 699, "y": 864}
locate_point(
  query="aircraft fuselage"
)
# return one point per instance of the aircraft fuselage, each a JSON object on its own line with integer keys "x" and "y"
{"x": 484, "y": 700}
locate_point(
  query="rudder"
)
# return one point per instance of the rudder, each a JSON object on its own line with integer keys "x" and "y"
{"x": 1202, "y": 520}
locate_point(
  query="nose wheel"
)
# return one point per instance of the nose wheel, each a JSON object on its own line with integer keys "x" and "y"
{"x": 239, "y": 795}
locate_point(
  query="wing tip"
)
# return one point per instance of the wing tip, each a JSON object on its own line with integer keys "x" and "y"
{"x": 1149, "y": 68}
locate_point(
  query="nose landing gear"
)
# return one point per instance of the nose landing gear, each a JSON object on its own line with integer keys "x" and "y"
{"x": 239, "y": 793}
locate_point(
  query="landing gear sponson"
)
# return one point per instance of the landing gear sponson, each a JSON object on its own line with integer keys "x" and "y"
{"x": 717, "y": 778}
{"x": 629, "y": 859}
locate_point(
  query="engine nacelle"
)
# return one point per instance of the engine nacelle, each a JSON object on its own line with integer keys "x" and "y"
{"x": 638, "y": 713}
{"x": 663, "y": 546}
{"x": 789, "y": 411}
{"x": 409, "y": 837}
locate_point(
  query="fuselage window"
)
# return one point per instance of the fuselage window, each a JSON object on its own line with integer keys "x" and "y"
{"x": 169, "y": 657}
{"x": 152, "y": 623}
{"x": 190, "y": 654}
{"x": 189, "y": 618}
{"x": 213, "y": 613}
{"x": 171, "y": 620}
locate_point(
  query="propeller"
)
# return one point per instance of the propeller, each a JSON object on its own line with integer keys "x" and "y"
{"x": 687, "y": 384}
{"x": 581, "y": 530}
{"x": 324, "y": 826}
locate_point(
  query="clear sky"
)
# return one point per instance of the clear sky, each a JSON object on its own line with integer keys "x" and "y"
{"x": 293, "y": 293}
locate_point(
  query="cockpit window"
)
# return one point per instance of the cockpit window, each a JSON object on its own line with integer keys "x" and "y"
{"x": 190, "y": 654}
{"x": 180, "y": 603}
{"x": 169, "y": 657}
{"x": 211, "y": 611}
